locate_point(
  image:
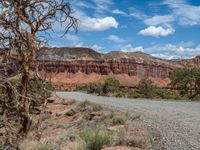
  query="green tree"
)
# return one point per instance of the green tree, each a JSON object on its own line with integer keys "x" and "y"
{"x": 111, "y": 86}
{"x": 146, "y": 88}
{"x": 187, "y": 80}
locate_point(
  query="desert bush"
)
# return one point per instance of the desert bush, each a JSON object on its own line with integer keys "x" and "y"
{"x": 111, "y": 86}
{"x": 96, "y": 107}
{"x": 135, "y": 94}
{"x": 71, "y": 112}
{"x": 120, "y": 94}
{"x": 95, "y": 139}
{"x": 168, "y": 94}
{"x": 146, "y": 88}
{"x": 119, "y": 120}
{"x": 95, "y": 88}
{"x": 90, "y": 106}
{"x": 125, "y": 138}
{"x": 84, "y": 104}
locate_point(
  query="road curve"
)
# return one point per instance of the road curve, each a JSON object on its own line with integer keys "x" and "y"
{"x": 178, "y": 123}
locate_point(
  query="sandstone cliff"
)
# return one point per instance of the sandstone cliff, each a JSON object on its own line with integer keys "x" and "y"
{"x": 84, "y": 65}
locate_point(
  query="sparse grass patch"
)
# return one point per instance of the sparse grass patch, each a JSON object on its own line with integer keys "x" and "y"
{"x": 91, "y": 106}
{"x": 149, "y": 137}
{"x": 95, "y": 139}
{"x": 36, "y": 145}
{"x": 119, "y": 120}
{"x": 96, "y": 107}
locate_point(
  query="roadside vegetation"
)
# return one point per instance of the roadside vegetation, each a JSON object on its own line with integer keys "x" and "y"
{"x": 87, "y": 126}
{"x": 185, "y": 84}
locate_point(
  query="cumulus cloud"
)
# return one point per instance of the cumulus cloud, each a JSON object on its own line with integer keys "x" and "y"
{"x": 94, "y": 47}
{"x": 102, "y": 6}
{"x": 115, "y": 38}
{"x": 117, "y": 11}
{"x": 156, "y": 31}
{"x": 98, "y": 24}
{"x": 185, "y": 13}
{"x": 172, "y": 51}
{"x": 131, "y": 48}
{"x": 157, "y": 20}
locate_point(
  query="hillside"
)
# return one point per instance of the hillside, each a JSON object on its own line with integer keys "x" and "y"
{"x": 67, "y": 53}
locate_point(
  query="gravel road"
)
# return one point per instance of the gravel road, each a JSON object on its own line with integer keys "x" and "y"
{"x": 177, "y": 123}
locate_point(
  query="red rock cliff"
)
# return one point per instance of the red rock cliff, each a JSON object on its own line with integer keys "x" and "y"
{"x": 123, "y": 66}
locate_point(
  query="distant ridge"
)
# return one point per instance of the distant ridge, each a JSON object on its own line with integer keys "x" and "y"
{"x": 83, "y": 53}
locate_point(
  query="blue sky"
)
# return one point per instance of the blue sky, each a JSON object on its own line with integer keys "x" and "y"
{"x": 164, "y": 28}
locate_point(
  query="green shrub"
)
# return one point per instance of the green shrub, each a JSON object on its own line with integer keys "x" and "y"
{"x": 95, "y": 88}
{"x": 85, "y": 104}
{"x": 111, "y": 86}
{"x": 120, "y": 94}
{"x": 168, "y": 94}
{"x": 71, "y": 112}
{"x": 146, "y": 88}
{"x": 135, "y": 94}
{"x": 119, "y": 120}
{"x": 96, "y": 107}
{"x": 92, "y": 106}
{"x": 95, "y": 139}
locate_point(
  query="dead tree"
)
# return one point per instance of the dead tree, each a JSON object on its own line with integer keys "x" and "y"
{"x": 21, "y": 23}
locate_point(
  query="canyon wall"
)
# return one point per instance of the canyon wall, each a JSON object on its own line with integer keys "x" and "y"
{"x": 83, "y": 65}
{"x": 106, "y": 67}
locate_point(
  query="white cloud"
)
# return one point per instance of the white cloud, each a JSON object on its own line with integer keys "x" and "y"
{"x": 96, "y": 47}
{"x": 117, "y": 11}
{"x": 115, "y": 38}
{"x": 185, "y": 13}
{"x": 72, "y": 38}
{"x": 130, "y": 48}
{"x": 98, "y": 21}
{"x": 171, "y": 51}
{"x": 165, "y": 56}
{"x": 157, "y": 20}
{"x": 98, "y": 24}
{"x": 102, "y": 5}
{"x": 81, "y": 44}
{"x": 138, "y": 14}
{"x": 156, "y": 31}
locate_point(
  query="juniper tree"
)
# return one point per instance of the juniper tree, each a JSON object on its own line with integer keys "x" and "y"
{"x": 21, "y": 24}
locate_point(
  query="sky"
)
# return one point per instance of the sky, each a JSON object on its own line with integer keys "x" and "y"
{"x": 163, "y": 28}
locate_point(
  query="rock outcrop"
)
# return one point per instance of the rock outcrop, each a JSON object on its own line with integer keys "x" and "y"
{"x": 105, "y": 67}
{"x": 83, "y": 65}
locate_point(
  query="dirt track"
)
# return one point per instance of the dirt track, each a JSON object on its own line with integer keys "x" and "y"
{"x": 178, "y": 123}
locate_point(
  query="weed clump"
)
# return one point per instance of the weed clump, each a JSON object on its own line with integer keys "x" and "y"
{"x": 71, "y": 112}
{"x": 95, "y": 139}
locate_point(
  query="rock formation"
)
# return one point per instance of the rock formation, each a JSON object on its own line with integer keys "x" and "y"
{"x": 105, "y": 67}
{"x": 83, "y": 65}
